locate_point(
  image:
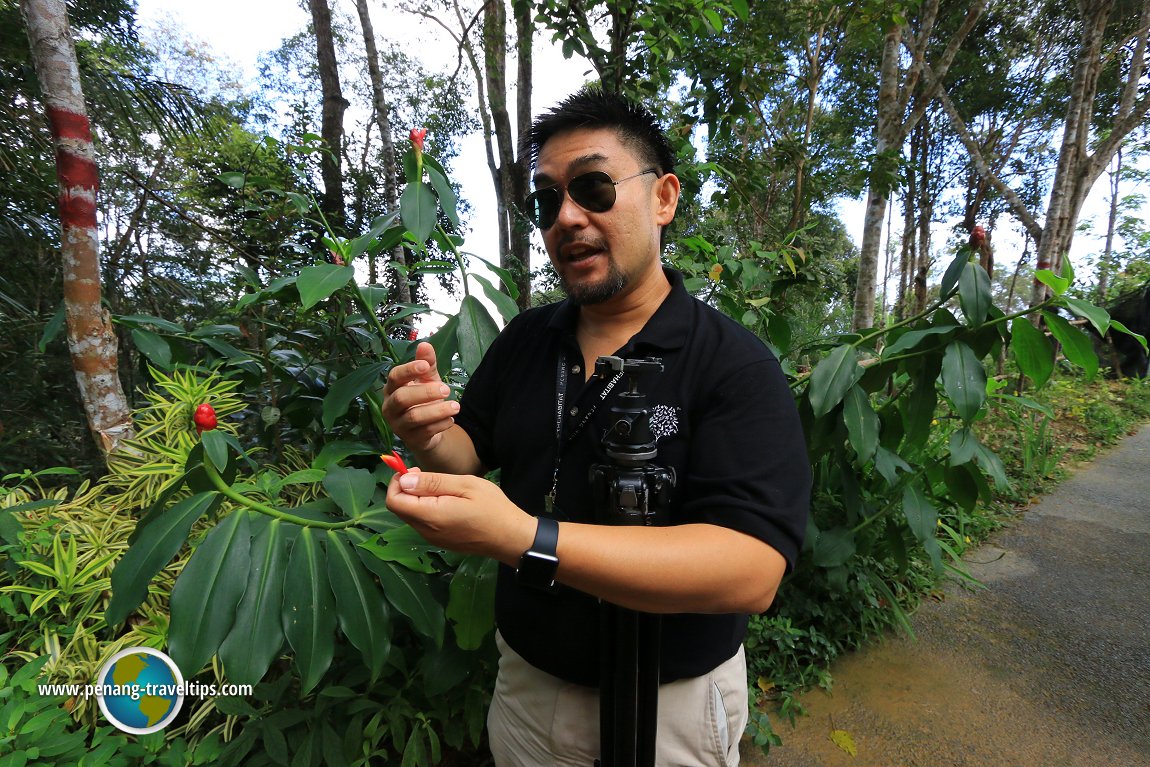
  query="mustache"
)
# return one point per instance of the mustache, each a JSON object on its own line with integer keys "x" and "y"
{"x": 589, "y": 243}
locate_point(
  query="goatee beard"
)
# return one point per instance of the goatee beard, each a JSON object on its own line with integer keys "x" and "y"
{"x": 597, "y": 292}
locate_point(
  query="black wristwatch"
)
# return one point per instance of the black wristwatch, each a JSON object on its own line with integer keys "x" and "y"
{"x": 538, "y": 564}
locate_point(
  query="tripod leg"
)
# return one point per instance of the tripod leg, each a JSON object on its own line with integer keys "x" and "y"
{"x": 647, "y": 716}
{"x": 607, "y": 712}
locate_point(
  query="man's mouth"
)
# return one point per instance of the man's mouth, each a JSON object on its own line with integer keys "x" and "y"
{"x": 578, "y": 253}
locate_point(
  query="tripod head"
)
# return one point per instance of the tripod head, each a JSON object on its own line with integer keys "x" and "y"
{"x": 629, "y": 441}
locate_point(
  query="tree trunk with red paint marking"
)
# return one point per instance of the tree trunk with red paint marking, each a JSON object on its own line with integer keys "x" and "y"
{"x": 91, "y": 340}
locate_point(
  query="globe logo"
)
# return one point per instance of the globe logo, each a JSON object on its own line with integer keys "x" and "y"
{"x": 140, "y": 690}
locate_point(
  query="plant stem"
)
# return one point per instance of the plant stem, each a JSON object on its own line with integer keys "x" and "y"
{"x": 229, "y": 492}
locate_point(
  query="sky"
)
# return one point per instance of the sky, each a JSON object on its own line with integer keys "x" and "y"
{"x": 242, "y": 30}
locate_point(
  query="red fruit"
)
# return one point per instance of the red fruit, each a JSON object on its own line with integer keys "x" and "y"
{"x": 394, "y": 462}
{"x": 204, "y": 418}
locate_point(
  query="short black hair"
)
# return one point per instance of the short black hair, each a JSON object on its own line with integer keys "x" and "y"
{"x": 592, "y": 107}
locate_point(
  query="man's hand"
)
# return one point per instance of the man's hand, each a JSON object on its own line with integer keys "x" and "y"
{"x": 415, "y": 403}
{"x": 462, "y": 513}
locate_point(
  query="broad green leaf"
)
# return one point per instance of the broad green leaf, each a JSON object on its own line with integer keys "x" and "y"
{"x": 1099, "y": 317}
{"x": 363, "y": 614}
{"x": 963, "y": 380}
{"x": 356, "y": 247}
{"x": 215, "y": 448}
{"x": 913, "y": 338}
{"x": 207, "y": 593}
{"x": 315, "y": 283}
{"x": 963, "y": 446}
{"x": 476, "y": 331}
{"x": 347, "y": 388}
{"x": 257, "y": 638}
{"x": 308, "y": 613}
{"x": 504, "y": 275}
{"x": 832, "y": 548}
{"x": 918, "y": 409}
{"x": 1076, "y": 345}
{"x": 862, "y": 423}
{"x": 418, "y": 208}
{"x": 974, "y": 293}
{"x": 153, "y": 347}
{"x": 920, "y": 513}
{"x": 961, "y": 487}
{"x": 888, "y": 464}
{"x": 351, "y": 489}
{"x": 446, "y": 344}
{"x": 991, "y": 464}
{"x": 52, "y": 328}
{"x": 136, "y": 320}
{"x": 833, "y": 378}
{"x": 1116, "y": 325}
{"x": 407, "y": 592}
{"x": 1032, "y": 351}
{"x": 301, "y": 477}
{"x": 471, "y": 601}
{"x": 503, "y": 303}
{"x": 403, "y": 546}
{"x": 954, "y": 271}
{"x": 443, "y": 190}
{"x": 233, "y": 179}
{"x": 334, "y": 452}
{"x": 1058, "y": 285}
{"x": 151, "y": 552}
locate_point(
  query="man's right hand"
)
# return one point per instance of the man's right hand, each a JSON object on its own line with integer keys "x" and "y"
{"x": 415, "y": 403}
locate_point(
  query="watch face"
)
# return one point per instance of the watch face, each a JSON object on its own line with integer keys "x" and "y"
{"x": 537, "y": 570}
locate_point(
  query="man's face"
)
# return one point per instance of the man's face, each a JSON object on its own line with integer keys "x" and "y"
{"x": 600, "y": 255}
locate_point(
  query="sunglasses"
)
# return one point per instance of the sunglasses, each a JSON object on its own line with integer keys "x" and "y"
{"x": 594, "y": 192}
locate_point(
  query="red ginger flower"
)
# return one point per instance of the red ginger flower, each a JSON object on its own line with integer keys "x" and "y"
{"x": 413, "y": 335}
{"x": 204, "y": 418}
{"x": 977, "y": 237}
{"x": 394, "y": 462}
{"x": 417, "y": 136}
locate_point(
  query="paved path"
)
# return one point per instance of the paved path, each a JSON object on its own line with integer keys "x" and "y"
{"x": 1049, "y": 665}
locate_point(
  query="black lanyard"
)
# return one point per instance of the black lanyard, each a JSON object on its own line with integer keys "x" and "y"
{"x": 562, "y": 444}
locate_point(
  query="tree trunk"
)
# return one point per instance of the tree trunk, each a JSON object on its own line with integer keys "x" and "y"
{"x": 91, "y": 339}
{"x": 390, "y": 167}
{"x": 886, "y": 141}
{"x": 331, "y": 126}
{"x": 1106, "y": 265}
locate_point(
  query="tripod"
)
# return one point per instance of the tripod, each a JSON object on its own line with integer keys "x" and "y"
{"x": 630, "y": 490}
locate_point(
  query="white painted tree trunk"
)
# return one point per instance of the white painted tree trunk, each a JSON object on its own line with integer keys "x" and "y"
{"x": 91, "y": 340}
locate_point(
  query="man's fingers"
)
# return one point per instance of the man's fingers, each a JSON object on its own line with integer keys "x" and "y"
{"x": 422, "y": 483}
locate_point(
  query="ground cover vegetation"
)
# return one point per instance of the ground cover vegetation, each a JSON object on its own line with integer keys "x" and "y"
{"x": 262, "y": 257}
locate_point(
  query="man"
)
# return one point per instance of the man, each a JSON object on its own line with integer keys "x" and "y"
{"x": 725, "y": 421}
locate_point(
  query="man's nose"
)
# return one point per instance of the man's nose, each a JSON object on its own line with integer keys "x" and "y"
{"x": 570, "y": 214}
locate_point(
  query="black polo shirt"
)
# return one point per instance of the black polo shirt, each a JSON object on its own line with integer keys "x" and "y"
{"x": 725, "y": 421}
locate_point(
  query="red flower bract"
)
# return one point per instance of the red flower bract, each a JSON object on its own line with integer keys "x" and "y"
{"x": 394, "y": 462}
{"x": 413, "y": 335}
{"x": 204, "y": 418}
{"x": 417, "y": 136}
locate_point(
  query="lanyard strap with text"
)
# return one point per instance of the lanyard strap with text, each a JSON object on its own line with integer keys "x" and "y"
{"x": 560, "y": 404}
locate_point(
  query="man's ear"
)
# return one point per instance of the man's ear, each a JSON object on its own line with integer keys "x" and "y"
{"x": 667, "y": 190}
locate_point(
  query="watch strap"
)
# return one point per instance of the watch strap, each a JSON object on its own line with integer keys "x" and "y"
{"x": 546, "y": 537}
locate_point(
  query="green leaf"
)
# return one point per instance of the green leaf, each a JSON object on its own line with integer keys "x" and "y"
{"x": 1099, "y": 317}
{"x": 315, "y": 283}
{"x": 503, "y": 303}
{"x": 920, "y": 514}
{"x": 151, "y": 552}
{"x": 308, "y": 613}
{"x": 406, "y": 591}
{"x": 1076, "y": 345}
{"x": 963, "y": 380}
{"x": 471, "y": 601}
{"x": 1057, "y": 285}
{"x": 443, "y": 190}
{"x": 1032, "y": 351}
{"x": 363, "y": 614}
{"x": 257, "y": 638}
{"x": 351, "y": 489}
{"x": 418, "y": 208}
{"x": 336, "y": 451}
{"x": 833, "y": 378}
{"x": 347, "y": 388}
{"x": 1116, "y": 325}
{"x": 232, "y": 179}
{"x": 862, "y": 423}
{"x": 476, "y": 331}
{"x": 832, "y": 548}
{"x": 403, "y": 546}
{"x": 215, "y": 448}
{"x": 913, "y": 338}
{"x": 445, "y": 341}
{"x": 207, "y": 593}
{"x": 153, "y": 347}
{"x": 888, "y": 464}
{"x": 136, "y": 320}
{"x": 505, "y": 276}
{"x": 51, "y": 328}
{"x": 974, "y": 293}
{"x": 954, "y": 271}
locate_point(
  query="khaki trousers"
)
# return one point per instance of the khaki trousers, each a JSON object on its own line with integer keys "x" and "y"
{"x": 537, "y": 720}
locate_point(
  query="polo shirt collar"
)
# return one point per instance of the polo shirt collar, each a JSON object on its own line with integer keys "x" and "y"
{"x": 667, "y": 328}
